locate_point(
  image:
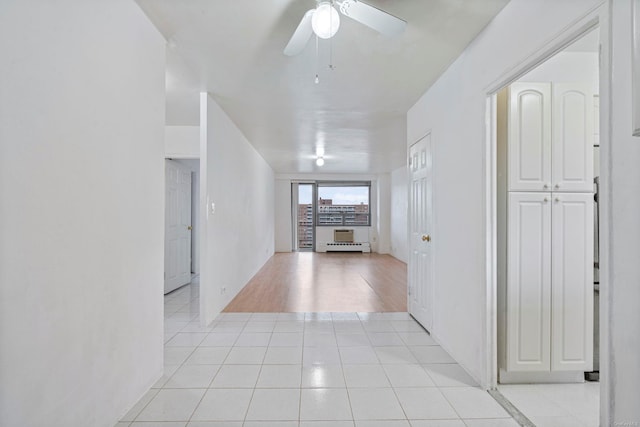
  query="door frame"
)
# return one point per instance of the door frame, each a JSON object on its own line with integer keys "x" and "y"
{"x": 596, "y": 18}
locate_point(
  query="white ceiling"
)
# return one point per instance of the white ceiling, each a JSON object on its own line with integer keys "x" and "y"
{"x": 356, "y": 114}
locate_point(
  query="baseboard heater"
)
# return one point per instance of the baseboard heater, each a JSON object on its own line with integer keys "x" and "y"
{"x": 347, "y": 247}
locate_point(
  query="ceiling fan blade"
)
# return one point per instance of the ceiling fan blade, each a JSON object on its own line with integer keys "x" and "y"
{"x": 301, "y": 36}
{"x": 372, "y": 17}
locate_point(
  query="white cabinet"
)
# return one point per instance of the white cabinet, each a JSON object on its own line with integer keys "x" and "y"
{"x": 572, "y": 141}
{"x": 549, "y": 282}
{"x": 572, "y": 282}
{"x": 530, "y": 137}
{"x": 550, "y": 229}
{"x": 529, "y": 282}
{"x": 550, "y": 137}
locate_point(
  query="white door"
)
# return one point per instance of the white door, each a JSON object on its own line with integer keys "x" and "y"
{"x": 572, "y": 282}
{"x": 572, "y": 164}
{"x": 529, "y": 282}
{"x": 420, "y": 222}
{"x": 177, "y": 246}
{"x": 530, "y": 137}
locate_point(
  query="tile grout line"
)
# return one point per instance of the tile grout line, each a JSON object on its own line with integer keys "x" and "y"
{"x": 214, "y": 377}
{"x": 255, "y": 386}
{"x": 210, "y": 383}
{"x": 344, "y": 377}
{"x": 135, "y": 419}
{"x": 301, "y": 372}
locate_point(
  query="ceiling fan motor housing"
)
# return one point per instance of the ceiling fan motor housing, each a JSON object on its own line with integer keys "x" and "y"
{"x": 325, "y": 20}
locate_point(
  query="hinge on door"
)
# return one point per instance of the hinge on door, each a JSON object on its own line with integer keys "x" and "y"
{"x": 409, "y": 290}
{"x": 409, "y": 161}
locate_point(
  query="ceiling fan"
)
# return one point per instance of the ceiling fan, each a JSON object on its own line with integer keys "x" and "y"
{"x": 324, "y": 21}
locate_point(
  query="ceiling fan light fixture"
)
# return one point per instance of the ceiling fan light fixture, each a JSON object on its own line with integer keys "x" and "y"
{"x": 325, "y": 21}
{"x": 320, "y": 161}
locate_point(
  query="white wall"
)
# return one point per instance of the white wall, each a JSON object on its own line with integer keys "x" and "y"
{"x": 383, "y": 209}
{"x": 239, "y": 237}
{"x": 621, "y": 385}
{"x": 568, "y": 67}
{"x": 399, "y": 211}
{"x": 82, "y": 211}
{"x": 182, "y": 142}
{"x": 283, "y": 230}
{"x": 454, "y": 110}
{"x": 379, "y": 232}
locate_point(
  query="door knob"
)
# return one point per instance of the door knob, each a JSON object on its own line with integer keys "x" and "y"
{"x": 426, "y": 238}
{"x": 189, "y": 228}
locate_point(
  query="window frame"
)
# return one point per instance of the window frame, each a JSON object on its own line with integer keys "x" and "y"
{"x": 320, "y": 184}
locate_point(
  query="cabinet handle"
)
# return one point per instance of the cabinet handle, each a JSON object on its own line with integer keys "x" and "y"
{"x": 544, "y": 187}
{"x": 557, "y": 186}
{"x": 557, "y": 199}
{"x": 546, "y": 200}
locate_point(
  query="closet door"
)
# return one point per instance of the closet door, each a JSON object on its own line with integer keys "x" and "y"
{"x": 420, "y": 268}
{"x": 530, "y": 137}
{"x": 572, "y": 153}
{"x": 572, "y": 282}
{"x": 529, "y": 282}
{"x": 177, "y": 248}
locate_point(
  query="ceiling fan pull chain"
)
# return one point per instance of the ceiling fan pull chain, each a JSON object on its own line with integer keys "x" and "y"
{"x": 317, "y": 61}
{"x": 331, "y": 53}
{"x": 331, "y": 40}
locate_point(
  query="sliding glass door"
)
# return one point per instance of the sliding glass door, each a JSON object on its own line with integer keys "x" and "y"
{"x": 303, "y": 197}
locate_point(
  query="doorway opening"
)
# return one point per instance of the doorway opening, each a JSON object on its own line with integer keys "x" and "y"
{"x": 182, "y": 215}
{"x": 545, "y": 155}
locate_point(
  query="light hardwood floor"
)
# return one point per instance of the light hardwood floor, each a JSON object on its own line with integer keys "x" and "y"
{"x": 323, "y": 282}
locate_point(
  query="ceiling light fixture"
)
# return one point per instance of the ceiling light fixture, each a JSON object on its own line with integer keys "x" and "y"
{"x": 326, "y": 20}
{"x": 320, "y": 161}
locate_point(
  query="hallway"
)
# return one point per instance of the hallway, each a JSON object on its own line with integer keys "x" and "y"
{"x": 307, "y": 369}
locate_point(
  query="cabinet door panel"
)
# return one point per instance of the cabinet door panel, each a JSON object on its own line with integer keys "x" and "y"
{"x": 572, "y": 282}
{"x": 529, "y": 137}
{"x": 572, "y": 153}
{"x": 529, "y": 282}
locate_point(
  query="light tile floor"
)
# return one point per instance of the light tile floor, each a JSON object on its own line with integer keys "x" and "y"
{"x": 556, "y": 405}
{"x": 307, "y": 370}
